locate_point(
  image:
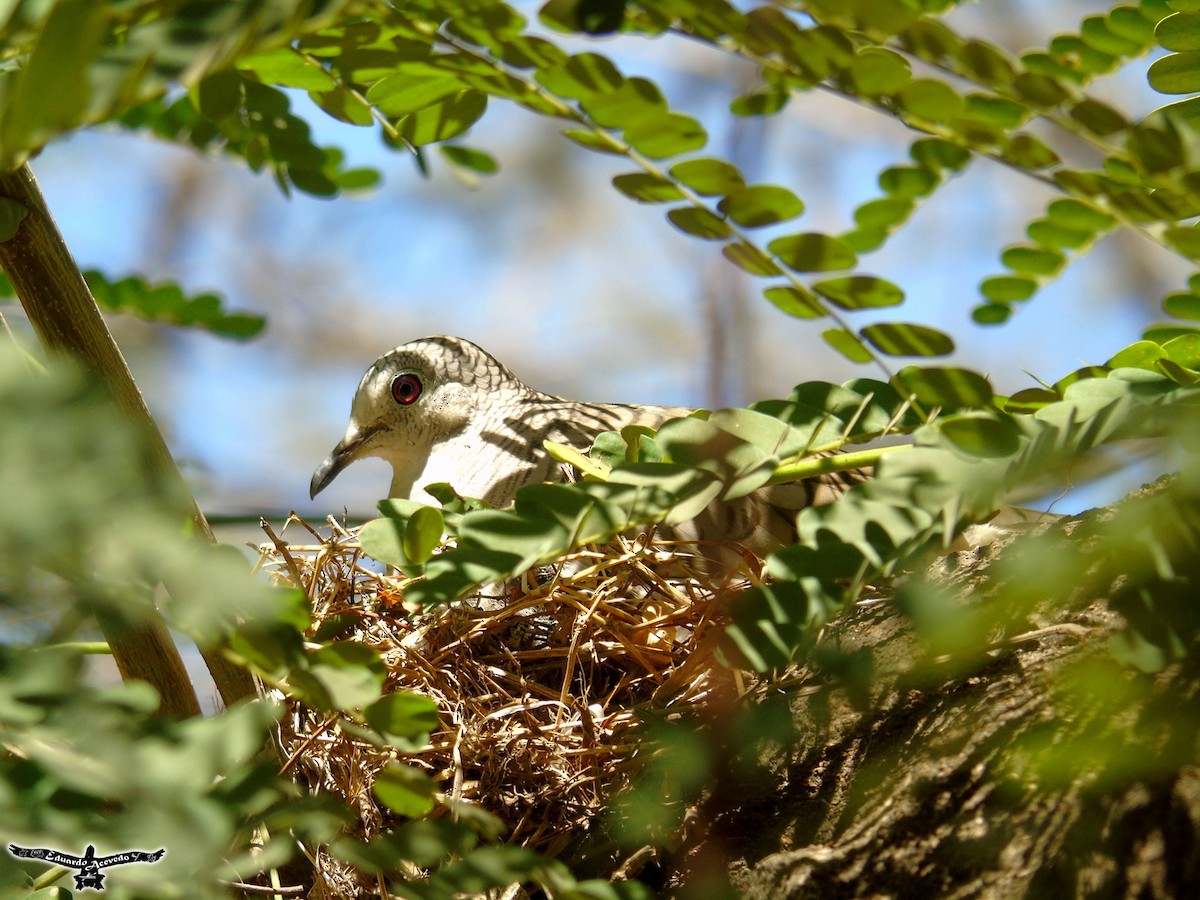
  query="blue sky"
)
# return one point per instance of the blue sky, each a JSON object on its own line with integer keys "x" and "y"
{"x": 578, "y": 289}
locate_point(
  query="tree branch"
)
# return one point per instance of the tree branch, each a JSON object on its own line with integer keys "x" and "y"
{"x": 67, "y": 321}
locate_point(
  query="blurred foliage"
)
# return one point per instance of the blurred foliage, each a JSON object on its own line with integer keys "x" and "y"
{"x": 83, "y": 533}
{"x": 165, "y": 304}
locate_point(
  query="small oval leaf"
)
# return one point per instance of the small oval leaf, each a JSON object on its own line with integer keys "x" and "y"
{"x": 812, "y": 252}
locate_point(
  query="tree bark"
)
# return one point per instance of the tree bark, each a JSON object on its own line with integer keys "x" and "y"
{"x": 67, "y": 321}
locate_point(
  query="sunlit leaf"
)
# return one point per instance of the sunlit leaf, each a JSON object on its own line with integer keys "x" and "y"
{"x": 763, "y": 204}
{"x": 906, "y": 339}
{"x": 698, "y": 222}
{"x": 470, "y": 158}
{"x": 404, "y": 789}
{"x": 878, "y": 71}
{"x": 1033, "y": 260}
{"x": 795, "y": 302}
{"x": 1182, "y": 306}
{"x": 859, "y": 292}
{"x": 708, "y": 177}
{"x": 1008, "y": 288}
{"x": 750, "y": 259}
{"x": 444, "y": 119}
{"x": 581, "y": 76}
{"x": 847, "y": 344}
{"x": 646, "y": 188}
{"x": 947, "y": 387}
{"x": 666, "y": 135}
{"x": 812, "y": 252}
{"x": 399, "y": 95}
{"x": 1176, "y": 73}
{"x": 930, "y": 99}
{"x": 403, "y": 714}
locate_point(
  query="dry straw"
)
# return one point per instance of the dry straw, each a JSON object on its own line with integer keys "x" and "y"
{"x": 540, "y": 699}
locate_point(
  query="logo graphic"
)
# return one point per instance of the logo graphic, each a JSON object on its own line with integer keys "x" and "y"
{"x": 89, "y": 865}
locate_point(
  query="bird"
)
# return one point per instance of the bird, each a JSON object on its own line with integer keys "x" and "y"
{"x": 442, "y": 409}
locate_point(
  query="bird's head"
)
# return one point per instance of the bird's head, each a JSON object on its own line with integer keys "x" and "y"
{"x": 411, "y": 398}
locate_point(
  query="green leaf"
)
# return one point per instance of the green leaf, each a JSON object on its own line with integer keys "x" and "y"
{"x": 1176, "y": 73}
{"x": 167, "y": 303}
{"x": 997, "y": 111}
{"x": 1028, "y": 152}
{"x": 219, "y": 94}
{"x": 708, "y": 177}
{"x": 859, "y": 292}
{"x": 443, "y": 120}
{"x": 581, "y": 76}
{"x": 470, "y": 158}
{"x": 399, "y": 95}
{"x": 12, "y": 213}
{"x": 594, "y": 140}
{"x": 904, "y": 339}
{"x": 1097, "y": 34}
{"x": 847, "y": 344}
{"x": 287, "y": 68}
{"x": 947, "y": 387}
{"x": 484, "y": 870}
{"x": 1098, "y": 118}
{"x": 929, "y": 99}
{"x": 698, "y": 222}
{"x": 1033, "y": 260}
{"x": 1179, "y": 32}
{"x": 1008, "y": 288}
{"x": 877, "y": 71}
{"x": 403, "y": 714}
{"x": 344, "y": 105}
{"x": 936, "y": 155}
{"x": 795, "y": 302}
{"x": 51, "y": 91}
{"x": 1182, "y": 306}
{"x": 422, "y": 534}
{"x": 1184, "y": 350}
{"x": 991, "y": 313}
{"x": 1048, "y": 234}
{"x": 812, "y": 252}
{"x": 884, "y": 213}
{"x": 666, "y": 135}
{"x": 349, "y": 675}
{"x": 382, "y": 539}
{"x": 1040, "y": 90}
{"x": 1077, "y": 215}
{"x": 404, "y": 790}
{"x": 763, "y": 204}
{"x": 647, "y": 188}
{"x": 981, "y": 435}
{"x": 1184, "y": 240}
{"x": 908, "y": 181}
{"x": 759, "y": 103}
{"x": 1140, "y": 355}
{"x": 635, "y": 100}
{"x": 750, "y": 259}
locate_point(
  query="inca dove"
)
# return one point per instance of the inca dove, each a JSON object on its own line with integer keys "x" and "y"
{"x": 442, "y": 409}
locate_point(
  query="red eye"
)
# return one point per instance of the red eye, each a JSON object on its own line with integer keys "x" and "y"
{"x": 406, "y": 388}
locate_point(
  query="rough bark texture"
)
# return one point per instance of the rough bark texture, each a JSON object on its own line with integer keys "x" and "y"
{"x": 928, "y": 790}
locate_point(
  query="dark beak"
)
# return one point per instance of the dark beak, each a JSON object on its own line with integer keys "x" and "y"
{"x": 343, "y": 454}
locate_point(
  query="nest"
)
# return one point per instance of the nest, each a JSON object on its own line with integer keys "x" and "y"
{"x": 541, "y": 684}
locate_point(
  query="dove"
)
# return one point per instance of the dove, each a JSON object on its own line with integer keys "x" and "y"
{"x": 441, "y": 409}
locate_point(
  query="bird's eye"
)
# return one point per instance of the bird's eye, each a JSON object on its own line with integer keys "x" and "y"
{"x": 406, "y": 389}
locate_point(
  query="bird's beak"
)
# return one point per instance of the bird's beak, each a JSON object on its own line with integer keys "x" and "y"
{"x": 348, "y": 449}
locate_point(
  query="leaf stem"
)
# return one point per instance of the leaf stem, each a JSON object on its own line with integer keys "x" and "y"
{"x": 811, "y": 467}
